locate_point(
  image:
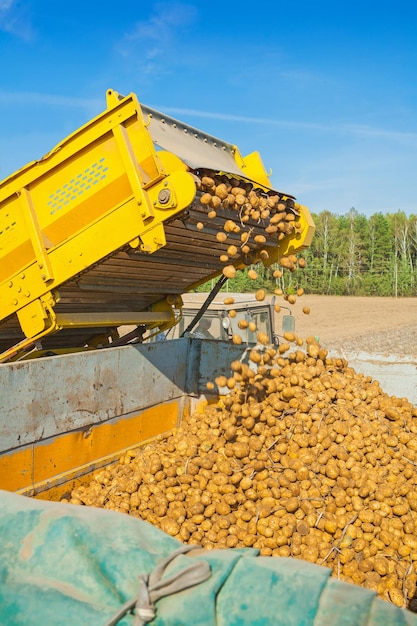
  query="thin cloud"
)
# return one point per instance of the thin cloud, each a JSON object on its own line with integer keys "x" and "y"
{"x": 369, "y": 131}
{"x": 150, "y": 43}
{"x": 6, "y": 5}
{"x": 14, "y": 20}
{"x": 353, "y": 129}
{"x": 163, "y": 24}
{"x": 97, "y": 104}
{"x": 25, "y": 98}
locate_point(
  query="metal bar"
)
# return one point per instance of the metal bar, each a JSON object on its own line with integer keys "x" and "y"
{"x": 137, "y": 176}
{"x": 213, "y": 293}
{"x": 36, "y": 236}
{"x": 92, "y": 320}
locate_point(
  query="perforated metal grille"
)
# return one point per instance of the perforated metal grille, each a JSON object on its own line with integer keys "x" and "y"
{"x": 6, "y": 225}
{"x": 77, "y": 186}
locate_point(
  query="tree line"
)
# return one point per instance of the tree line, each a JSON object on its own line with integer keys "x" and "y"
{"x": 350, "y": 254}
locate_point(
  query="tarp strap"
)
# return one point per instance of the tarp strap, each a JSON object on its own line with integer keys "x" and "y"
{"x": 152, "y": 587}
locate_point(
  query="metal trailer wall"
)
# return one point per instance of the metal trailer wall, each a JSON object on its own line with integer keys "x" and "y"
{"x": 63, "y": 416}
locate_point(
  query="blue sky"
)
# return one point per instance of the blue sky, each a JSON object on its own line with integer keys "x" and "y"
{"x": 325, "y": 91}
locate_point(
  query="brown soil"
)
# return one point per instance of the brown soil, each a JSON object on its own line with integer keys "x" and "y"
{"x": 386, "y": 326}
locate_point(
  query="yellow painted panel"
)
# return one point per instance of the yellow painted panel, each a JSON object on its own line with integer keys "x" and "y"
{"x": 16, "y": 469}
{"x": 72, "y": 450}
{"x": 65, "y": 453}
{"x": 86, "y": 210}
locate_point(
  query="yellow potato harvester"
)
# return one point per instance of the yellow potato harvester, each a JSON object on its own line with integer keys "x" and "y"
{"x": 106, "y": 232}
{"x": 102, "y": 231}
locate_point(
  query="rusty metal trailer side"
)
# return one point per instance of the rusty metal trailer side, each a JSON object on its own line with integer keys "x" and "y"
{"x": 63, "y": 416}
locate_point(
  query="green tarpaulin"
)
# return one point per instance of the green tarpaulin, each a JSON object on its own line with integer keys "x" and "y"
{"x": 64, "y": 564}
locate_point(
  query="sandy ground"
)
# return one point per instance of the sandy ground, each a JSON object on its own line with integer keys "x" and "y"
{"x": 385, "y": 326}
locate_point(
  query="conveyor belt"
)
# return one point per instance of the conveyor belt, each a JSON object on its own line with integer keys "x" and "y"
{"x": 132, "y": 281}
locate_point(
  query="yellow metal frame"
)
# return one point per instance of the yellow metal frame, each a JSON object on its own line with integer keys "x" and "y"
{"x": 103, "y": 187}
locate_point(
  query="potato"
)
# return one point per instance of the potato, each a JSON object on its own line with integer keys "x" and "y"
{"x": 215, "y": 202}
{"x": 205, "y": 198}
{"x": 231, "y": 227}
{"x": 207, "y": 181}
{"x": 229, "y": 271}
{"x": 286, "y": 262}
{"x": 262, "y": 338}
{"x": 221, "y": 191}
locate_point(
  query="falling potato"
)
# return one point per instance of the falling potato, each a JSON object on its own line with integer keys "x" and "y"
{"x": 229, "y": 271}
{"x": 262, "y": 338}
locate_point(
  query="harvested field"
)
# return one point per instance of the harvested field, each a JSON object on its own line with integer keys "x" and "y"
{"x": 385, "y": 326}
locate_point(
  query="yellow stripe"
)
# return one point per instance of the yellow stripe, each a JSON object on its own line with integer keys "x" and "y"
{"x": 38, "y": 466}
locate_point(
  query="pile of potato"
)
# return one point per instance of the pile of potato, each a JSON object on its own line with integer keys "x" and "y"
{"x": 303, "y": 458}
